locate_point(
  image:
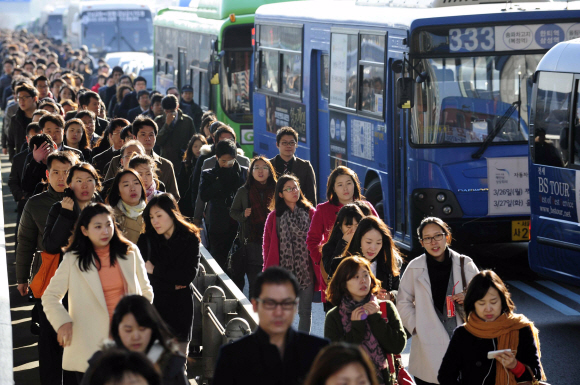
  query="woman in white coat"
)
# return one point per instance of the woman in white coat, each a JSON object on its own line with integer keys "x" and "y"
{"x": 422, "y": 300}
{"x": 99, "y": 267}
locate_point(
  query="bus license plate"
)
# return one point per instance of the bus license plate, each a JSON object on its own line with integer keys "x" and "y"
{"x": 520, "y": 230}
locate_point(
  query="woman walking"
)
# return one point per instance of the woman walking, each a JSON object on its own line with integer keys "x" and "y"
{"x": 285, "y": 241}
{"x": 192, "y": 153}
{"x": 128, "y": 199}
{"x": 250, "y": 208}
{"x": 429, "y": 298}
{"x": 99, "y": 267}
{"x": 170, "y": 247}
{"x": 145, "y": 167}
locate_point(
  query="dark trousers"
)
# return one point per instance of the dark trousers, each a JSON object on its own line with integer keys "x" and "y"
{"x": 72, "y": 378}
{"x": 49, "y": 352}
{"x": 251, "y": 265}
{"x": 419, "y": 381}
{"x": 220, "y": 245}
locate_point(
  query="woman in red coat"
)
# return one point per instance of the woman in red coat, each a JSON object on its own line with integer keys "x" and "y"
{"x": 342, "y": 188}
{"x": 285, "y": 241}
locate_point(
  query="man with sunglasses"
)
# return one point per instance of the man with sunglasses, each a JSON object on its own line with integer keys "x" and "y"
{"x": 275, "y": 353}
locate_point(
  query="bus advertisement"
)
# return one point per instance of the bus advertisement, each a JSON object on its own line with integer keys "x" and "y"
{"x": 429, "y": 106}
{"x": 554, "y": 249}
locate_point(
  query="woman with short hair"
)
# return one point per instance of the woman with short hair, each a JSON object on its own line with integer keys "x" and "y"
{"x": 128, "y": 199}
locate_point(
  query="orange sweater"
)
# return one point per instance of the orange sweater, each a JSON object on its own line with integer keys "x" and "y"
{"x": 112, "y": 280}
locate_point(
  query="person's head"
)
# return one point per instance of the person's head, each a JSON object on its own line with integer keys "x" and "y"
{"x": 145, "y": 130}
{"x": 143, "y": 99}
{"x": 37, "y": 114}
{"x": 435, "y": 236}
{"x": 140, "y": 84}
{"x": 31, "y": 130}
{"x": 353, "y": 278}
{"x": 372, "y": 239}
{"x": 110, "y": 82}
{"x": 29, "y": 66}
{"x": 193, "y": 149}
{"x": 39, "y": 139}
{"x": 89, "y": 120}
{"x": 169, "y": 104}
{"x": 127, "y": 133}
{"x": 125, "y": 80}
{"x": 225, "y": 153}
{"x": 102, "y": 110}
{"x": 75, "y": 134}
{"x": 122, "y": 91}
{"x": 343, "y": 186}
{"x": 287, "y": 141}
{"x": 117, "y": 73}
{"x": 48, "y": 105}
{"x": 68, "y": 106}
{"x": 342, "y": 364}
{"x": 224, "y": 132}
{"x": 114, "y": 132}
{"x": 101, "y": 80}
{"x": 173, "y": 91}
{"x": 8, "y": 66}
{"x": 145, "y": 167}
{"x": 187, "y": 93}
{"x": 53, "y": 125}
{"x": 129, "y": 148}
{"x": 347, "y": 217}
{"x": 275, "y": 299}
{"x": 288, "y": 193}
{"x": 121, "y": 367}
{"x": 27, "y": 97}
{"x": 58, "y": 165}
{"x": 41, "y": 84}
{"x": 136, "y": 325}
{"x": 206, "y": 120}
{"x": 261, "y": 171}
{"x": 128, "y": 187}
{"x": 83, "y": 180}
{"x": 55, "y": 86}
{"x": 90, "y": 100}
{"x": 50, "y": 68}
{"x": 162, "y": 216}
{"x": 155, "y": 106}
{"x": 66, "y": 92}
{"x": 487, "y": 297}
{"x": 41, "y": 70}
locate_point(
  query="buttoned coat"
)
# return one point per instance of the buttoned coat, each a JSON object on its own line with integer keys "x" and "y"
{"x": 429, "y": 340}
{"x": 87, "y": 309}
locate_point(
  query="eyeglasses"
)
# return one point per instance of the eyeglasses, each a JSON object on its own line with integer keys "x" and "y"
{"x": 270, "y": 304}
{"x": 23, "y": 98}
{"x": 285, "y": 144}
{"x": 291, "y": 189}
{"x": 435, "y": 238}
{"x": 265, "y": 168}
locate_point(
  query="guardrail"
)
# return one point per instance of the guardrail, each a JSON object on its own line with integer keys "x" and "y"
{"x": 222, "y": 314}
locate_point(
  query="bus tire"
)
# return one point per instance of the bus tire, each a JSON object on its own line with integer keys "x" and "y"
{"x": 374, "y": 195}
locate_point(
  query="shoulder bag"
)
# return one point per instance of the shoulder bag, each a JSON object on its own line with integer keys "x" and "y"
{"x": 534, "y": 381}
{"x": 45, "y": 273}
{"x": 238, "y": 251}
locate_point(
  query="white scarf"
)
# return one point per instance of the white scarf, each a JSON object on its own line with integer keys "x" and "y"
{"x": 132, "y": 212}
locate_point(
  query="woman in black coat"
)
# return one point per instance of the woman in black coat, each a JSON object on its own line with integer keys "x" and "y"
{"x": 192, "y": 153}
{"x": 170, "y": 247}
{"x": 83, "y": 185}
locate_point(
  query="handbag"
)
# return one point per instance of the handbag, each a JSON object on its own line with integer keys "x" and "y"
{"x": 534, "y": 381}
{"x": 45, "y": 273}
{"x": 238, "y": 252}
{"x": 459, "y": 308}
{"x": 403, "y": 376}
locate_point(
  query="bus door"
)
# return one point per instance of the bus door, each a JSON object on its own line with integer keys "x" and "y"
{"x": 399, "y": 120}
{"x": 321, "y": 63}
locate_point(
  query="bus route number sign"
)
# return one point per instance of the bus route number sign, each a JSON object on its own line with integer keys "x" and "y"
{"x": 472, "y": 39}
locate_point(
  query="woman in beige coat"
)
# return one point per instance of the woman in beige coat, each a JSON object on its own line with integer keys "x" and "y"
{"x": 99, "y": 267}
{"x": 422, "y": 299}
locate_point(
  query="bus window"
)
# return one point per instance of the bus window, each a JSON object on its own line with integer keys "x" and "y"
{"x": 269, "y": 70}
{"x": 235, "y": 74}
{"x": 181, "y": 68}
{"x": 343, "y": 70}
{"x": 552, "y": 123}
{"x": 291, "y": 64}
{"x": 324, "y": 72}
{"x": 372, "y": 69}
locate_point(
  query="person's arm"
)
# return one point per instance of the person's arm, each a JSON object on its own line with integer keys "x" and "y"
{"x": 184, "y": 268}
{"x": 52, "y": 298}
{"x": 209, "y": 187}
{"x": 406, "y": 301}
{"x": 452, "y": 360}
{"x": 169, "y": 179}
{"x": 237, "y": 211}
{"x": 27, "y": 238}
{"x": 58, "y": 229}
{"x": 267, "y": 241}
{"x": 14, "y": 182}
{"x": 334, "y": 331}
{"x": 390, "y": 334}
{"x": 314, "y": 236}
{"x": 165, "y": 131}
{"x": 527, "y": 354}
{"x": 33, "y": 173}
{"x": 143, "y": 281}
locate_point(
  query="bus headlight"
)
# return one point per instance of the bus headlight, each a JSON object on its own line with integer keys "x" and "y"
{"x": 441, "y": 197}
{"x": 447, "y": 210}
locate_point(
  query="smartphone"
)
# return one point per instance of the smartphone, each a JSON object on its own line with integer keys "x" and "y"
{"x": 69, "y": 193}
{"x": 491, "y": 355}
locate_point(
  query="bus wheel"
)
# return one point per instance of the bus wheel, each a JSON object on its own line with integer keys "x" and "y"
{"x": 374, "y": 195}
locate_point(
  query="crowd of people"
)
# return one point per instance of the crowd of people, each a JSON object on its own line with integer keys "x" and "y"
{"x": 117, "y": 189}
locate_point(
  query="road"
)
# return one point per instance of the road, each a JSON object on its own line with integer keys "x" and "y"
{"x": 555, "y": 308}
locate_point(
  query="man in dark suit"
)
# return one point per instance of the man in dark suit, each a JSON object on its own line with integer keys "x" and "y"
{"x": 274, "y": 353}
{"x": 114, "y": 136}
{"x": 90, "y": 100}
{"x": 287, "y": 163}
{"x": 143, "y": 98}
{"x": 131, "y": 100}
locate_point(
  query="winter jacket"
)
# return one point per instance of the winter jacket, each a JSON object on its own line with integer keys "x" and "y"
{"x": 101, "y": 160}
{"x": 389, "y": 333}
{"x": 176, "y": 262}
{"x": 271, "y": 245}
{"x": 305, "y": 174}
{"x": 17, "y": 130}
{"x": 193, "y": 111}
{"x": 173, "y": 138}
{"x": 186, "y": 204}
{"x": 415, "y": 305}
{"x": 320, "y": 229}
{"x": 466, "y": 356}
{"x": 130, "y": 227}
{"x": 30, "y": 233}
{"x": 15, "y": 178}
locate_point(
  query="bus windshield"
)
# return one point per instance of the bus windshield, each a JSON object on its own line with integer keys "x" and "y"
{"x": 55, "y": 26}
{"x": 117, "y": 31}
{"x": 462, "y": 99}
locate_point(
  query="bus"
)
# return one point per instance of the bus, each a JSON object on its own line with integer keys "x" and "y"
{"x": 554, "y": 249}
{"x": 105, "y": 26}
{"x": 210, "y": 48}
{"x": 427, "y": 102}
{"x": 53, "y": 26}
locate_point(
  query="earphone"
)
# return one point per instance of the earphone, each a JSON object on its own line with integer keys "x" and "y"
{"x": 492, "y": 363}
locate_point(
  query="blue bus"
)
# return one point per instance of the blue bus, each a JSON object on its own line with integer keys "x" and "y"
{"x": 428, "y": 103}
{"x": 554, "y": 249}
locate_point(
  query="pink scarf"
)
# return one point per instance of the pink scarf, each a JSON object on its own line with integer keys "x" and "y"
{"x": 150, "y": 192}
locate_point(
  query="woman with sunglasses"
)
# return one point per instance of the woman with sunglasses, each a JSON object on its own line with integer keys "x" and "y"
{"x": 285, "y": 241}
{"x": 430, "y": 298}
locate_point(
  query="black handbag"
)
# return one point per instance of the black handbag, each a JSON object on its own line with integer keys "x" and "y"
{"x": 238, "y": 252}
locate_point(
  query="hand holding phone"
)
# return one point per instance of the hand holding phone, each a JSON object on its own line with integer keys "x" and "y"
{"x": 494, "y": 353}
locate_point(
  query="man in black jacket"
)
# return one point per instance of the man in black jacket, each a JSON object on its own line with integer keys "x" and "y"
{"x": 114, "y": 135}
{"x": 189, "y": 107}
{"x": 131, "y": 100}
{"x": 274, "y": 353}
{"x": 90, "y": 101}
{"x": 143, "y": 98}
{"x": 218, "y": 186}
{"x": 287, "y": 163}
{"x": 27, "y": 101}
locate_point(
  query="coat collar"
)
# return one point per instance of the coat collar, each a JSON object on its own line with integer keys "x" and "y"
{"x": 422, "y": 264}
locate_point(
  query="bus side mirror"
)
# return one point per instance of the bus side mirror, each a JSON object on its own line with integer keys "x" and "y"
{"x": 405, "y": 93}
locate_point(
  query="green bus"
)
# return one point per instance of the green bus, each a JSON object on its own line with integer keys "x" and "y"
{"x": 210, "y": 48}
